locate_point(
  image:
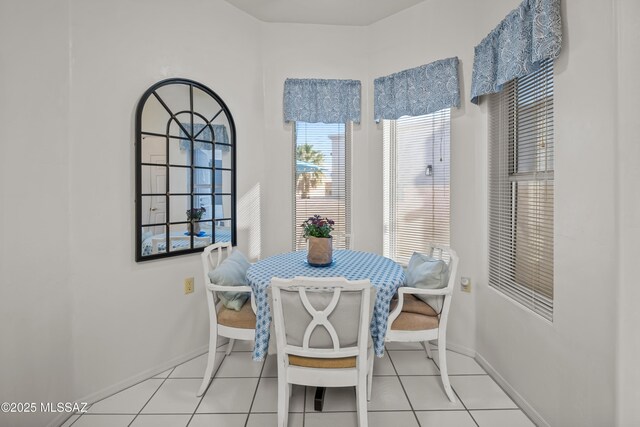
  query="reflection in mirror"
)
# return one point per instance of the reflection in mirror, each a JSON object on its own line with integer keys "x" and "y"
{"x": 176, "y": 97}
{"x": 185, "y": 174}
{"x": 223, "y": 209}
{"x": 222, "y": 231}
{"x": 204, "y": 202}
{"x": 224, "y": 157}
{"x": 207, "y": 106}
{"x": 223, "y": 182}
{"x": 155, "y": 117}
{"x": 179, "y": 180}
{"x": 179, "y": 151}
{"x": 154, "y": 150}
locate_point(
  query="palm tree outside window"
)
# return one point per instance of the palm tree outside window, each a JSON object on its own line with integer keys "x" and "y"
{"x": 308, "y": 169}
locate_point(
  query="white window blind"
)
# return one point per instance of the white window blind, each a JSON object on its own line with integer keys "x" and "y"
{"x": 322, "y": 177}
{"x": 416, "y": 183}
{"x": 521, "y": 190}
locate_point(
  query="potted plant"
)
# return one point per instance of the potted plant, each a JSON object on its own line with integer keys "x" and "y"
{"x": 317, "y": 231}
{"x": 193, "y": 215}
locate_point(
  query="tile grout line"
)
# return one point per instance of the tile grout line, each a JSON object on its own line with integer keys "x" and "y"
{"x": 483, "y": 409}
{"x": 496, "y": 409}
{"x": 154, "y": 377}
{"x": 438, "y": 366}
{"x": 124, "y": 389}
{"x": 127, "y": 388}
{"x": 154, "y": 393}
{"x": 465, "y": 407}
{"x": 403, "y": 389}
{"x": 224, "y": 356}
{"x": 304, "y": 406}
{"x": 456, "y": 393}
{"x": 76, "y": 420}
{"x": 255, "y": 393}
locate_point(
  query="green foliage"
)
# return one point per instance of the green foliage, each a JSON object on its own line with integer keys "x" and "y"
{"x": 306, "y": 181}
{"x": 196, "y": 213}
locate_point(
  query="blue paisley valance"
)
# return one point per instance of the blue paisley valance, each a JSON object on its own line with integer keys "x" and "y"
{"x": 528, "y": 35}
{"x": 220, "y": 135}
{"x": 318, "y": 100}
{"x": 417, "y": 91}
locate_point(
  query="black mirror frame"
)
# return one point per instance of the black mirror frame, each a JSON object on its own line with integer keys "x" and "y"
{"x": 138, "y": 144}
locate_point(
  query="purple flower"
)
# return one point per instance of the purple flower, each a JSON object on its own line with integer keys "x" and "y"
{"x": 316, "y": 226}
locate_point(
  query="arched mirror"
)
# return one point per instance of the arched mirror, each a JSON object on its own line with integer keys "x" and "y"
{"x": 185, "y": 170}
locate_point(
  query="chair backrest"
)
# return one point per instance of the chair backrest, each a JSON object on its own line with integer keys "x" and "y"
{"x": 446, "y": 254}
{"x": 211, "y": 257}
{"x": 449, "y": 256}
{"x": 322, "y": 317}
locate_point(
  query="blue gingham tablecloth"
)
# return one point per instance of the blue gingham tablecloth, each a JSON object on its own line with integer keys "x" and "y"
{"x": 385, "y": 275}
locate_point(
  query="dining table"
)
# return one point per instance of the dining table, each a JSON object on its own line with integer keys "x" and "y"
{"x": 385, "y": 275}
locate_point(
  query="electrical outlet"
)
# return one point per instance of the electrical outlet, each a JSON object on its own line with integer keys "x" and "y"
{"x": 188, "y": 285}
{"x": 465, "y": 284}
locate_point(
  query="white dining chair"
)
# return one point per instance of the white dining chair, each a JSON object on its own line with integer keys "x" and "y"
{"x": 413, "y": 320}
{"x": 322, "y": 337}
{"x": 235, "y": 325}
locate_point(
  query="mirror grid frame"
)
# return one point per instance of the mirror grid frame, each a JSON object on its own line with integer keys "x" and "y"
{"x": 192, "y": 190}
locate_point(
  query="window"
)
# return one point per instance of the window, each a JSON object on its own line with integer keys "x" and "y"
{"x": 521, "y": 190}
{"x": 322, "y": 177}
{"x": 416, "y": 183}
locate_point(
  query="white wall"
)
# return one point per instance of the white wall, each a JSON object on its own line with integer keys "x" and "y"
{"x": 565, "y": 370}
{"x": 36, "y": 351}
{"x": 309, "y": 51}
{"x": 79, "y": 317}
{"x": 628, "y": 374}
{"x": 128, "y": 316}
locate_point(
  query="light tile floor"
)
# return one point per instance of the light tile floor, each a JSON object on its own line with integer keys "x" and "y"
{"x": 407, "y": 392}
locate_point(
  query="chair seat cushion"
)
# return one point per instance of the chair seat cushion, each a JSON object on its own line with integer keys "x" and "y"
{"x": 244, "y": 319}
{"x": 411, "y": 304}
{"x": 318, "y": 362}
{"x": 414, "y": 322}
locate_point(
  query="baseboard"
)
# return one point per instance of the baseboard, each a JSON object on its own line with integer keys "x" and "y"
{"x": 512, "y": 392}
{"x": 144, "y": 375}
{"x": 457, "y": 348}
